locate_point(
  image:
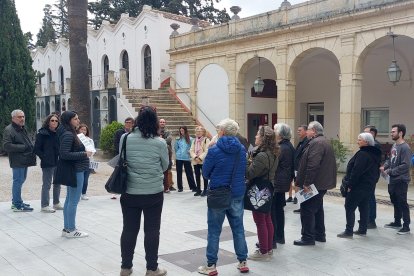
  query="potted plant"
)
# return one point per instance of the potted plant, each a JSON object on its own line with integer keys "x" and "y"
{"x": 340, "y": 152}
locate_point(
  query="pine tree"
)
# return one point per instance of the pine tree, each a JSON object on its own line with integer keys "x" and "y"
{"x": 60, "y": 18}
{"x": 47, "y": 33}
{"x": 17, "y": 80}
{"x": 112, "y": 9}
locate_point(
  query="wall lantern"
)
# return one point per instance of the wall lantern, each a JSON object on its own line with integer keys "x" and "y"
{"x": 258, "y": 83}
{"x": 394, "y": 71}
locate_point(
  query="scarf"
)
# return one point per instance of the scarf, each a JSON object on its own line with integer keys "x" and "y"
{"x": 198, "y": 145}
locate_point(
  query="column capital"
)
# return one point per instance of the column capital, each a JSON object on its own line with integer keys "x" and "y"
{"x": 347, "y": 40}
{"x": 281, "y": 51}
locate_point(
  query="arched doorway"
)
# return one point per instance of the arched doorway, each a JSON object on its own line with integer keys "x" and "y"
{"x": 105, "y": 64}
{"x": 147, "y": 68}
{"x": 112, "y": 110}
{"x": 61, "y": 80}
{"x": 90, "y": 73}
{"x": 125, "y": 64}
{"x": 49, "y": 80}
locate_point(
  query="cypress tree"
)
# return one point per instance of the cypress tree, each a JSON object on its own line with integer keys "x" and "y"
{"x": 17, "y": 78}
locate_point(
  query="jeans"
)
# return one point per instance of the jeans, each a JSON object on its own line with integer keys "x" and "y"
{"x": 132, "y": 208}
{"x": 264, "y": 230}
{"x": 372, "y": 202}
{"x": 278, "y": 217}
{"x": 312, "y": 217}
{"x": 188, "y": 172}
{"x": 47, "y": 175}
{"x": 215, "y": 218}
{"x": 19, "y": 176}
{"x": 71, "y": 203}
{"x": 85, "y": 181}
{"x": 353, "y": 200}
{"x": 398, "y": 196}
{"x": 197, "y": 170}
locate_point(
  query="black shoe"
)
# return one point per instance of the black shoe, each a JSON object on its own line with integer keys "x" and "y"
{"x": 180, "y": 190}
{"x": 371, "y": 225}
{"x": 360, "y": 233}
{"x": 394, "y": 225}
{"x": 173, "y": 189}
{"x": 280, "y": 241}
{"x": 197, "y": 194}
{"x": 303, "y": 242}
{"x": 404, "y": 230}
{"x": 194, "y": 190}
{"x": 290, "y": 199}
{"x": 320, "y": 239}
{"x": 204, "y": 193}
{"x": 297, "y": 211}
{"x": 295, "y": 201}
{"x": 345, "y": 235}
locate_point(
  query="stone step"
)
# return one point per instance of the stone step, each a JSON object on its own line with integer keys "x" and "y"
{"x": 160, "y": 106}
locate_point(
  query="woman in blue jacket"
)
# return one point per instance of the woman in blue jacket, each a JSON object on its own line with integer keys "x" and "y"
{"x": 183, "y": 158}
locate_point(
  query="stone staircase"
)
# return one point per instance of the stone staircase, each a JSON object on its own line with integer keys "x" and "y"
{"x": 168, "y": 108}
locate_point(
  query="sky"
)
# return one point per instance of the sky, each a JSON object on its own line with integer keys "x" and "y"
{"x": 30, "y": 12}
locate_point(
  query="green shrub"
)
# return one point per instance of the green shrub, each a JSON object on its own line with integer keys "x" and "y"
{"x": 340, "y": 152}
{"x": 106, "y": 141}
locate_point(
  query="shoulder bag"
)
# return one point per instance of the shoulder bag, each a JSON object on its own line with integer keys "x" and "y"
{"x": 117, "y": 182}
{"x": 259, "y": 194}
{"x": 220, "y": 198}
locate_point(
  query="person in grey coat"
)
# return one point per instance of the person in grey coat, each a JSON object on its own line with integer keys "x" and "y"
{"x": 19, "y": 147}
{"x": 147, "y": 157}
{"x": 317, "y": 166}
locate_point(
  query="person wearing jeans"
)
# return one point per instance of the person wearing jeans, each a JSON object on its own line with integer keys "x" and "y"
{"x": 19, "y": 147}
{"x": 70, "y": 171}
{"x": 225, "y": 165}
{"x": 148, "y": 159}
{"x": 198, "y": 152}
{"x": 47, "y": 148}
{"x": 183, "y": 158}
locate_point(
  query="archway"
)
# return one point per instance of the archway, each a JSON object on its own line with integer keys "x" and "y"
{"x": 125, "y": 64}
{"x": 105, "y": 70}
{"x": 147, "y": 67}
{"x": 49, "y": 80}
{"x": 61, "y": 80}
{"x": 112, "y": 111}
{"x": 316, "y": 72}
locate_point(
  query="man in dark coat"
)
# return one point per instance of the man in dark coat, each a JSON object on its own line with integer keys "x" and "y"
{"x": 128, "y": 124}
{"x": 317, "y": 166}
{"x": 19, "y": 147}
{"x": 303, "y": 141}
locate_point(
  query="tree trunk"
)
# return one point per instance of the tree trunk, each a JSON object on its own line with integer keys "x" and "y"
{"x": 79, "y": 80}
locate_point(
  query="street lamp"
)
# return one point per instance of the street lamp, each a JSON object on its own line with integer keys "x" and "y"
{"x": 394, "y": 71}
{"x": 258, "y": 83}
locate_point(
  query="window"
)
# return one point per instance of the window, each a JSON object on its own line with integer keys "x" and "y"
{"x": 378, "y": 117}
{"x": 316, "y": 112}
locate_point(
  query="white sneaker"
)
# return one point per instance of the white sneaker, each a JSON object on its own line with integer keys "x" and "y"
{"x": 57, "y": 206}
{"x": 75, "y": 234}
{"x": 258, "y": 256}
{"x": 84, "y": 197}
{"x": 48, "y": 209}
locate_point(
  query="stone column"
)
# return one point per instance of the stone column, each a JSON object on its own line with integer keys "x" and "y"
{"x": 111, "y": 79}
{"x": 52, "y": 87}
{"x": 193, "y": 87}
{"x": 350, "y": 95}
{"x": 236, "y": 107}
{"x": 67, "y": 86}
{"x": 123, "y": 80}
{"x": 286, "y": 90}
{"x": 171, "y": 65}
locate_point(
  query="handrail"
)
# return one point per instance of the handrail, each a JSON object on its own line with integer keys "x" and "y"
{"x": 192, "y": 102}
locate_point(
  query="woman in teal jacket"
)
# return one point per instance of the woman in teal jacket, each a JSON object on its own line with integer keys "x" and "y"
{"x": 183, "y": 158}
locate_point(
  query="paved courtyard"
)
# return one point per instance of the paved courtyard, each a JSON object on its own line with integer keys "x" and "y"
{"x": 30, "y": 243}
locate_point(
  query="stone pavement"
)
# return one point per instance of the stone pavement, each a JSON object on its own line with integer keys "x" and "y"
{"x": 30, "y": 243}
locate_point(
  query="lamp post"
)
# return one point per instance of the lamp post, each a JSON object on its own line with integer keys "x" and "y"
{"x": 394, "y": 71}
{"x": 258, "y": 83}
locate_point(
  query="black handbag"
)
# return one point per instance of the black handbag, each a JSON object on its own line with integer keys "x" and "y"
{"x": 220, "y": 198}
{"x": 65, "y": 173}
{"x": 344, "y": 187}
{"x": 117, "y": 182}
{"x": 259, "y": 194}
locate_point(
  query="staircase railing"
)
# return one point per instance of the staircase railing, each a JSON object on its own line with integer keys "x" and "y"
{"x": 193, "y": 102}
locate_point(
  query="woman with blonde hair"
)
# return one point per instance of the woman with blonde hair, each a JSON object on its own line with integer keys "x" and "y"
{"x": 198, "y": 152}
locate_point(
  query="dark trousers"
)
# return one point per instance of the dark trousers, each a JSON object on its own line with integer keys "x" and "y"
{"x": 132, "y": 207}
{"x": 312, "y": 217}
{"x": 398, "y": 196}
{"x": 372, "y": 208}
{"x": 278, "y": 216}
{"x": 353, "y": 200}
{"x": 85, "y": 181}
{"x": 197, "y": 170}
{"x": 188, "y": 173}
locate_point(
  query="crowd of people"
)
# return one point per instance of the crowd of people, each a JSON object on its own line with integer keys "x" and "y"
{"x": 223, "y": 161}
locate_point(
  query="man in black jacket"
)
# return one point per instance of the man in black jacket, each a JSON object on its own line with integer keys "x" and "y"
{"x": 303, "y": 140}
{"x": 128, "y": 125}
{"x": 17, "y": 144}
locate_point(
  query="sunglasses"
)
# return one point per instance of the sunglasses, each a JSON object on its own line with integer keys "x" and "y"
{"x": 54, "y": 120}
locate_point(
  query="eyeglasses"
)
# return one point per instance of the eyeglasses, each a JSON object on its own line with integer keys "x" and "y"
{"x": 54, "y": 120}
{"x": 20, "y": 116}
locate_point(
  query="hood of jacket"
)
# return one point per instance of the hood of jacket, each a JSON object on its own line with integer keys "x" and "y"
{"x": 45, "y": 131}
{"x": 229, "y": 144}
{"x": 374, "y": 152}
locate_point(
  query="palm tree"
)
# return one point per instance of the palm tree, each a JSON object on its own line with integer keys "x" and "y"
{"x": 78, "y": 56}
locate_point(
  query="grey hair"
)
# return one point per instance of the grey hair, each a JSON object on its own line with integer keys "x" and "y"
{"x": 283, "y": 131}
{"x": 15, "y": 112}
{"x": 367, "y": 137}
{"x": 228, "y": 126}
{"x": 316, "y": 126}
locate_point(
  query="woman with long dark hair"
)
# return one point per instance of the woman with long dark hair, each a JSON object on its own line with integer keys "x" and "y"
{"x": 147, "y": 157}
{"x": 183, "y": 158}
{"x": 47, "y": 148}
{"x": 83, "y": 128}
{"x": 72, "y": 151}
